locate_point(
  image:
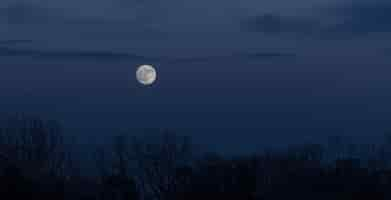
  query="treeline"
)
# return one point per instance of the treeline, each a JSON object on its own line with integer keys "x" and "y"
{"x": 37, "y": 162}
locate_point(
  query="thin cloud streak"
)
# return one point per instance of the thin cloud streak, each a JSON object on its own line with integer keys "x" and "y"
{"x": 13, "y": 42}
{"x": 111, "y": 55}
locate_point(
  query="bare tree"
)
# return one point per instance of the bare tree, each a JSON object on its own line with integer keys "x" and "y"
{"x": 161, "y": 163}
{"x": 36, "y": 146}
{"x": 113, "y": 165}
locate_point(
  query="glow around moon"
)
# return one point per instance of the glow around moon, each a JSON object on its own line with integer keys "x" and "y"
{"x": 146, "y": 74}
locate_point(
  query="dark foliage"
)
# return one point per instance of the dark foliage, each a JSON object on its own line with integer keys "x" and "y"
{"x": 36, "y": 163}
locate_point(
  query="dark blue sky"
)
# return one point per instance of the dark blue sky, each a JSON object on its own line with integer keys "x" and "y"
{"x": 235, "y": 75}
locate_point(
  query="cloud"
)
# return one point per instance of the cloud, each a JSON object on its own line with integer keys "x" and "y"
{"x": 72, "y": 55}
{"x": 362, "y": 18}
{"x": 31, "y": 13}
{"x": 13, "y": 42}
{"x": 274, "y": 24}
{"x": 110, "y": 55}
{"x": 387, "y": 51}
{"x": 235, "y": 56}
{"x": 339, "y": 21}
{"x": 22, "y": 13}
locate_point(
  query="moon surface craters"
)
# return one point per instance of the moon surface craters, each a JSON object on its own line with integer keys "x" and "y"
{"x": 146, "y": 74}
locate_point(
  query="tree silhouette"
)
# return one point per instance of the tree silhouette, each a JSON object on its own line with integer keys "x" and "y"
{"x": 115, "y": 176}
{"x": 36, "y": 163}
{"x": 161, "y": 163}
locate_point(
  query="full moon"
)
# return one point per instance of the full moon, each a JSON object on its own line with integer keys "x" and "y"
{"x": 146, "y": 74}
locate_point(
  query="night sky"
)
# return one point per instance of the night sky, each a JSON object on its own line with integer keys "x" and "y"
{"x": 236, "y": 75}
